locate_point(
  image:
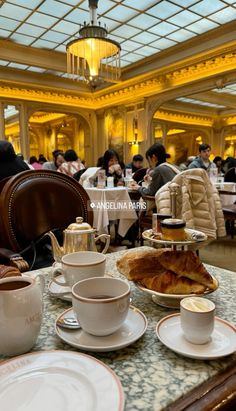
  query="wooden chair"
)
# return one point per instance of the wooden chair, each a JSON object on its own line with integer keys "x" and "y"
{"x": 229, "y": 212}
{"x": 34, "y": 202}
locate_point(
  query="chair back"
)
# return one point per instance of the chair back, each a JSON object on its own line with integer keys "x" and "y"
{"x": 36, "y": 201}
{"x": 139, "y": 174}
{"x": 230, "y": 175}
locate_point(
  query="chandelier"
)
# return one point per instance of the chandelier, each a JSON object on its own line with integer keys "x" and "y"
{"x": 93, "y": 57}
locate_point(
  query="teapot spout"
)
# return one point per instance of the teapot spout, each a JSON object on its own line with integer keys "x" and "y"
{"x": 57, "y": 251}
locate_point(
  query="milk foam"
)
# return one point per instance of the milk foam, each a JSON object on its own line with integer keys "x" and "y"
{"x": 197, "y": 304}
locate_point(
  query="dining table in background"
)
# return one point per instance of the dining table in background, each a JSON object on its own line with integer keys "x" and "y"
{"x": 111, "y": 204}
{"x": 226, "y": 199}
{"x": 152, "y": 376}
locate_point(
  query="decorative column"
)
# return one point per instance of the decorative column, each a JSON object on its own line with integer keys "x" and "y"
{"x": 24, "y": 134}
{"x": 2, "y": 122}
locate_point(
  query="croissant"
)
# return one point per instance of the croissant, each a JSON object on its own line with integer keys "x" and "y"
{"x": 187, "y": 264}
{"x": 137, "y": 264}
{"x": 168, "y": 283}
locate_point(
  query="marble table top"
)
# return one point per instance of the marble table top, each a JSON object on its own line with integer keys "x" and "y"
{"x": 152, "y": 376}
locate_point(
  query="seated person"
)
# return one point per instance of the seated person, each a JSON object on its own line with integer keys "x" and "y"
{"x": 161, "y": 172}
{"x": 58, "y": 159}
{"x": 113, "y": 167}
{"x": 72, "y": 163}
{"x": 10, "y": 163}
{"x": 136, "y": 164}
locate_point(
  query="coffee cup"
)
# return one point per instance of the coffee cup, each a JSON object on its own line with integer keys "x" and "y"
{"x": 20, "y": 314}
{"x": 78, "y": 266}
{"x": 101, "y": 304}
{"x": 197, "y": 317}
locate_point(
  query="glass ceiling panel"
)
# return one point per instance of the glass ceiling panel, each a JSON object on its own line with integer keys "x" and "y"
{"x": 164, "y": 10}
{"x": 163, "y": 29}
{"x": 30, "y": 30}
{"x": 42, "y": 20}
{"x": 202, "y": 25}
{"x": 199, "y": 102}
{"x": 125, "y": 30}
{"x": 230, "y": 89}
{"x": 7, "y": 23}
{"x": 67, "y": 27}
{"x": 181, "y": 35}
{"x": 20, "y": 38}
{"x": 143, "y": 21}
{"x": 142, "y": 27}
{"x": 184, "y": 16}
{"x": 121, "y": 12}
{"x": 225, "y": 15}
{"x": 30, "y": 4}
{"x": 54, "y": 8}
{"x": 204, "y": 8}
{"x": 4, "y": 33}
{"x": 15, "y": 12}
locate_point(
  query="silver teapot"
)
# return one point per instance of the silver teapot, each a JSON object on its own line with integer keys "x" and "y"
{"x": 78, "y": 236}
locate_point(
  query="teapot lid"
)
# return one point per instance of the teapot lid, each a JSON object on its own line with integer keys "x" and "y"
{"x": 80, "y": 225}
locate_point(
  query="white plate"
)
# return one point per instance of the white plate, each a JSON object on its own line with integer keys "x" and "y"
{"x": 171, "y": 300}
{"x": 147, "y": 235}
{"x": 59, "y": 381}
{"x": 223, "y": 339}
{"x": 133, "y": 328}
{"x": 55, "y": 290}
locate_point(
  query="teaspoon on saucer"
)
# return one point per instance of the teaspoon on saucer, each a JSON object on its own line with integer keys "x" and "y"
{"x": 68, "y": 322}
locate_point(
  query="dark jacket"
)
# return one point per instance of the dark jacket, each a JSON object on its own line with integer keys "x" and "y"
{"x": 10, "y": 164}
{"x": 161, "y": 175}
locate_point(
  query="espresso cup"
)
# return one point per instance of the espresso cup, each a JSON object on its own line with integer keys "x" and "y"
{"x": 101, "y": 304}
{"x": 78, "y": 266}
{"x": 197, "y": 317}
{"x": 20, "y": 314}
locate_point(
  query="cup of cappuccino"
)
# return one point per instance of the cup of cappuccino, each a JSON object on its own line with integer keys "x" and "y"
{"x": 197, "y": 317}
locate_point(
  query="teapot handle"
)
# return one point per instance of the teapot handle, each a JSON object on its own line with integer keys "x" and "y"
{"x": 107, "y": 243}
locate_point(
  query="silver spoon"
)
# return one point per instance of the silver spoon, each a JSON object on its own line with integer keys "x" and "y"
{"x": 68, "y": 322}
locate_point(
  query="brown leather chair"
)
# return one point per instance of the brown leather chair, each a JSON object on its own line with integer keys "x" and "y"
{"x": 34, "y": 202}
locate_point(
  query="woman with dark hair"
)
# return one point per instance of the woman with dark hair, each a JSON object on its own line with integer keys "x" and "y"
{"x": 10, "y": 163}
{"x": 162, "y": 172}
{"x": 34, "y": 163}
{"x": 72, "y": 163}
{"x": 112, "y": 166}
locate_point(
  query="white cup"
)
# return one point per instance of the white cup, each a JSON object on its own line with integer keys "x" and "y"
{"x": 101, "y": 304}
{"x": 20, "y": 314}
{"x": 197, "y": 317}
{"x": 78, "y": 266}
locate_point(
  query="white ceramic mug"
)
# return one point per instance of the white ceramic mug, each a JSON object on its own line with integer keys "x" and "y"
{"x": 101, "y": 304}
{"x": 197, "y": 316}
{"x": 20, "y": 314}
{"x": 78, "y": 266}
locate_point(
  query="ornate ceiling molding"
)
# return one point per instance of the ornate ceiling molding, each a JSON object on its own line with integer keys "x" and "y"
{"x": 130, "y": 90}
{"x": 185, "y": 118}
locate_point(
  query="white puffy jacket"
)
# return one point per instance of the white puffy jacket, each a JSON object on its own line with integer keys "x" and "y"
{"x": 198, "y": 202}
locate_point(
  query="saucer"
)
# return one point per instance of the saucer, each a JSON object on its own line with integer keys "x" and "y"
{"x": 55, "y": 290}
{"x": 59, "y": 381}
{"x": 132, "y": 329}
{"x": 222, "y": 343}
{"x": 193, "y": 236}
